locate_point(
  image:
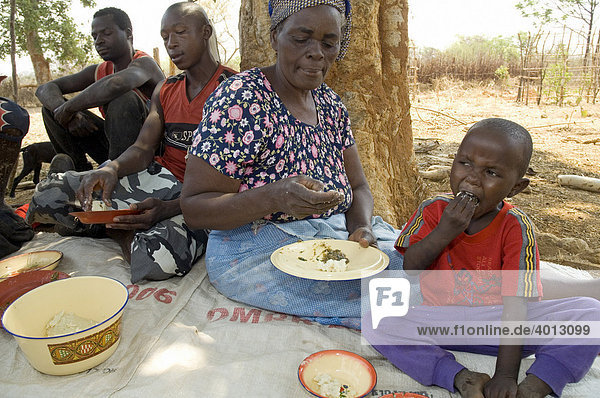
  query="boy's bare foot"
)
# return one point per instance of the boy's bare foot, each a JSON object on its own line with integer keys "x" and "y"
{"x": 124, "y": 239}
{"x": 533, "y": 387}
{"x": 470, "y": 384}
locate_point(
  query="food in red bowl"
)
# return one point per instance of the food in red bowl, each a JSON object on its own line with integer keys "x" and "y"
{"x": 16, "y": 286}
{"x": 337, "y": 373}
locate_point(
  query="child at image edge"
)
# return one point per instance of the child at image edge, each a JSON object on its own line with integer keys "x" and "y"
{"x": 474, "y": 229}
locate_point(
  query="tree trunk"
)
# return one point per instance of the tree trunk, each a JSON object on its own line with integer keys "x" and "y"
{"x": 596, "y": 74}
{"x": 372, "y": 82}
{"x": 255, "y": 42}
{"x": 588, "y": 44}
{"x": 13, "y": 51}
{"x": 41, "y": 67}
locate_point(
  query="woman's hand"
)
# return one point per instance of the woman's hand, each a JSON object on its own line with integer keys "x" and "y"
{"x": 302, "y": 196}
{"x": 104, "y": 179}
{"x": 153, "y": 210}
{"x": 364, "y": 236}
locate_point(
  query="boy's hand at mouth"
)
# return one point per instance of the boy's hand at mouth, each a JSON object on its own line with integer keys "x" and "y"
{"x": 458, "y": 214}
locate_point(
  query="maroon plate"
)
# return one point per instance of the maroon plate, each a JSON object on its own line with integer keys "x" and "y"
{"x": 101, "y": 217}
{"x": 16, "y": 286}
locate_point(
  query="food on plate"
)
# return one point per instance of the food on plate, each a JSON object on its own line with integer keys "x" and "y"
{"x": 326, "y": 258}
{"x": 98, "y": 205}
{"x": 66, "y": 323}
{"x": 332, "y": 260}
{"x": 333, "y": 388}
{"x": 469, "y": 195}
{"x": 333, "y": 265}
{"x": 333, "y": 254}
{"x": 308, "y": 259}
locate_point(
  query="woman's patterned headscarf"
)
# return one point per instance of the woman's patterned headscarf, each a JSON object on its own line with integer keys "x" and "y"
{"x": 281, "y": 9}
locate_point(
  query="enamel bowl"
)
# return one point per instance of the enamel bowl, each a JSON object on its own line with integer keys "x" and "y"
{"x": 40, "y": 260}
{"x": 344, "y": 366}
{"x": 95, "y": 298}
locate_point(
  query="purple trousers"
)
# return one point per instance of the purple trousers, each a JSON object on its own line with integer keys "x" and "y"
{"x": 555, "y": 363}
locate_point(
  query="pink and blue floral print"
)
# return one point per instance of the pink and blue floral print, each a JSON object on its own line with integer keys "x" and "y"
{"x": 248, "y": 134}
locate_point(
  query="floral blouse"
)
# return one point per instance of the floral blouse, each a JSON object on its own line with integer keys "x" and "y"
{"x": 248, "y": 134}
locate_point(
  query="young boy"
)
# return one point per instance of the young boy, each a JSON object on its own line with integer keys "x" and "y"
{"x": 465, "y": 235}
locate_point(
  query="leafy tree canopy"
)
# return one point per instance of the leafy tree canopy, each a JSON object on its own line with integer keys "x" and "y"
{"x": 60, "y": 39}
{"x": 471, "y": 47}
{"x": 547, "y": 11}
{"x": 578, "y": 15}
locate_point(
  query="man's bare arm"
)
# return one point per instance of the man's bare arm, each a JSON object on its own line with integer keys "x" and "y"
{"x": 139, "y": 155}
{"x": 51, "y": 94}
{"x": 136, "y": 158}
{"x": 138, "y": 72}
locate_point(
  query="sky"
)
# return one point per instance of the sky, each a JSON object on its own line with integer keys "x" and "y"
{"x": 432, "y": 23}
{"x": 437, "y": 23}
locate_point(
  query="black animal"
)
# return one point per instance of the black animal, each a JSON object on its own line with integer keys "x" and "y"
{"x": 33, "y": 157}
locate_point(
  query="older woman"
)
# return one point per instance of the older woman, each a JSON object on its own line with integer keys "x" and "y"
{"x": 274, "y": 161}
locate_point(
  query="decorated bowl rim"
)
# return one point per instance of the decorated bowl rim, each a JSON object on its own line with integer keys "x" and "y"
{"x": 38, "y": 268}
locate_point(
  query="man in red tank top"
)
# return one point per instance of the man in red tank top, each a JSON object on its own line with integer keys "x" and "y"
{"x": 120, "y": 86}
{"x": 157, "y": 243}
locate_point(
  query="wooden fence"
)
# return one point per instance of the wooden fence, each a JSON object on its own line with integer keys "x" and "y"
{"x": 552, "y": 67}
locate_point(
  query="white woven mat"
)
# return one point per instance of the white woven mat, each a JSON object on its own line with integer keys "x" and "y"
{"x": 205, "y": 345}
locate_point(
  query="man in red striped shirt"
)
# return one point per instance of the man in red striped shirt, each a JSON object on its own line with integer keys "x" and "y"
{"x": 120, "y": 86}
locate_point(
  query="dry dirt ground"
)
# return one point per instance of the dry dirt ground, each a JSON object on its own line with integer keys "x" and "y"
{"x": 566, "y": 141}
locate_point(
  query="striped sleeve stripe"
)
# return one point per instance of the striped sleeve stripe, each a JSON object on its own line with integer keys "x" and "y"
{"x": 417, "y": 222}
{"x": 528, "y": 257}
{"x": 446, "y": 197}
{"x": 410, "y": 230}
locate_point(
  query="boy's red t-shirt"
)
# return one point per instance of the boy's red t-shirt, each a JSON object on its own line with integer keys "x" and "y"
{"x": 507, "y": 244}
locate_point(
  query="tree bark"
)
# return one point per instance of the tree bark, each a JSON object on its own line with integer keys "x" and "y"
{"x": 372, "y": 82}
{"x": 41, "y": 67}
{"x": 13, "y": 51}
{"x": 255, "y": 42}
